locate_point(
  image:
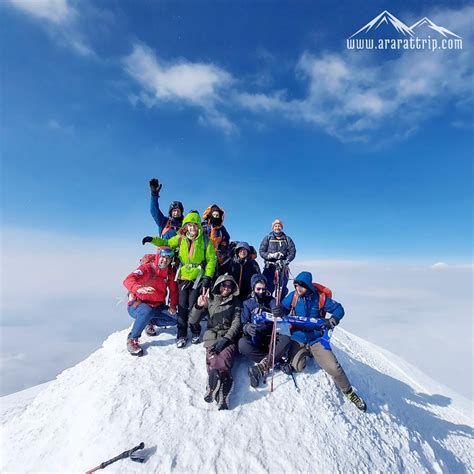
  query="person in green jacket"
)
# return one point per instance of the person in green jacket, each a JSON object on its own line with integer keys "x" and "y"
{"x": 197, "y": 259}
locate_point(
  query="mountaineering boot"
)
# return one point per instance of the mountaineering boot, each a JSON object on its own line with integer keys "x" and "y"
{"x": 195, "y": 338}
{"x": 213, "y": 385}
{"x": 356, "y": 399}
{"x": 257, "y": 372}
{"x": 150, "y": 330}
{"x": 133, "y": 347}
{"x": 222, "y": 395}
{"x": 181, "y": 342}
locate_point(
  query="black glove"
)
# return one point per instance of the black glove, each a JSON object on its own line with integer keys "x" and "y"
{"x": 250, "y": 329}
{"x": 206, "y": 282}
{"x": 220, "y": 345}
{"x": 155, "y": 187}
{"x": 331, "y": 323}
{"x": 146, "y": 239}
{"x": 278, "y": 311}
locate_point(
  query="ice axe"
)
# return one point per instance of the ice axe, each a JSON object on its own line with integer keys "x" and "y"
{"x": 125, "y": 454}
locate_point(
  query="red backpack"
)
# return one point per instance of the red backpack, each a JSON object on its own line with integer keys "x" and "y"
{"x": 323, "y": 293}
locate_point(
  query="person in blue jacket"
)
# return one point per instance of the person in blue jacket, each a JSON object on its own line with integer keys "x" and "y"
{"x": 255, "y": 343}
{"x": 168, "y": 226}
{"x": 311, "y": 327}
{"x": 278, "y": 250}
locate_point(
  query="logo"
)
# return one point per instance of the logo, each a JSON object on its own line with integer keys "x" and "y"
{"x": 387, "y": 32}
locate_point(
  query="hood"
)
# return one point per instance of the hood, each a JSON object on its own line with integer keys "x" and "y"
{"x": 306, "y": 279}
{"x": 207, "y": 213}
{"x": 193, "y": 217}
{"x": 256, "y": 278}
{"x": 242, "y": 245}
{"x": 226, "y": 277}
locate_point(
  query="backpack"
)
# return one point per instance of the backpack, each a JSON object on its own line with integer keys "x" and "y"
{"x": 323, "y": 293}
{"x": 169, "y": 226}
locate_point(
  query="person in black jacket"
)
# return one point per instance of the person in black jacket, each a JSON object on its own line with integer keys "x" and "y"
{"x": 255, "y": 343}
{"x": 242, "y": 267}
{"x": 278, "y": 250}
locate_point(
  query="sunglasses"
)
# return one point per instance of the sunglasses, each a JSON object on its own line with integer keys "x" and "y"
{"x": 227, "y": 284}
{"x": 166, "y": 253}
{"x": 259, "y": 290}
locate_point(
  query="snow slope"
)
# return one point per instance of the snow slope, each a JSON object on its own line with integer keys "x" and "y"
{"x": 111, "y": 402}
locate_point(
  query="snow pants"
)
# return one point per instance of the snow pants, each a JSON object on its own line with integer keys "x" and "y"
{"x": 325, "y": 358}
{"x": 223, "y": 361}
{"x": 258, "y": 351}
{"x": 187, "y": 299}
{"x": 269, "y": 272}
{"x": 144, "y": 314}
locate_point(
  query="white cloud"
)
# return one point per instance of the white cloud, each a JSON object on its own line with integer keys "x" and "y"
{"x": 195, "y": 84}
{"x": 60, "y": 19}
{"x": 359, "y": 96}
{"x": 56, "y": 11}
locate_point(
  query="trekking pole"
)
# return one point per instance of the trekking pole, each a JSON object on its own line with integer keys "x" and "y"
{"x": 274, "y": 329}
{"x": 124, "y": 455}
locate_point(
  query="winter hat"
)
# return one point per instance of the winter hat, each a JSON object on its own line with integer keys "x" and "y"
{"x": 305, "y": 279}
{"x": 258, "y": 277}
{"x": 277, "y": 221}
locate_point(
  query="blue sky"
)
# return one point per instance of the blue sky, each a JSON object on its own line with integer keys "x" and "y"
{"x": 239, "y": 103}
{"x": 259, "y": 107}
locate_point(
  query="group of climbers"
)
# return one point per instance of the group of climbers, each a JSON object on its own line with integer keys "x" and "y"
{"x": 199, "y": 274}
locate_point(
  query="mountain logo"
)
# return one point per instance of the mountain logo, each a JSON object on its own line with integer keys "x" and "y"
{"x": 386, "y": 31}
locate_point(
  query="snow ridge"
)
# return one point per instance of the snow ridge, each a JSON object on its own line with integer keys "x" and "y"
{"x": 111, "y": 401}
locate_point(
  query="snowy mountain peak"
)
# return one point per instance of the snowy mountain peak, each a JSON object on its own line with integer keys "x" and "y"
{"x": 427, "y": 23}
{"x": 385, "y": 18}
{"x": 111, "y": 402}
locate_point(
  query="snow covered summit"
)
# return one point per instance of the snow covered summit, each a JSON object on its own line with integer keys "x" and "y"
{"x": 111, "y": 402}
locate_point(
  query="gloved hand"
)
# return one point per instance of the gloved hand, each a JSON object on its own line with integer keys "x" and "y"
{"x": 206, "y": 282}
{"x": 250, "y": 329}
{"x": 220, "y": 345}
{"x": 146, "y": 239}
{"x": 330, "y": 323}
{"x": 155, "y": 187}
{"x": 275, "y": 255}
{"x": 278, "y": 311}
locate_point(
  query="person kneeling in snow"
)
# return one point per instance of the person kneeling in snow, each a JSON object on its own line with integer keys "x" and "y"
{"x": 148, "y": 286}
{"x": 255, "y": 342}
{"x": 310, "y": 327}
{"x": 223, "y": 330}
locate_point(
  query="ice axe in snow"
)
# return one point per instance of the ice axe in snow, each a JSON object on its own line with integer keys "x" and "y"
{"x": 125, "y": 454}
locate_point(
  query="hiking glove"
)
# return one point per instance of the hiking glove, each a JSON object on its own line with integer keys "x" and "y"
{"x": 155, "y": 187}
{"x": 250, "y": 329}
{"x": 146, "y": 239}
{"x": 220, "y": 345}
{"x": 331, "y": 323}
{"x": 273, "y": 255}
{"x": 206, "y": 282}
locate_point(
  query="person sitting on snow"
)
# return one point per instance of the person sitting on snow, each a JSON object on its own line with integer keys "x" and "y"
{"x": 148, "y": 288}
{"x": 255, "y": 343}
{"x": 168, "y": 226}
{"x": 221, "y": 336}
{"x": 278, "y": 250}
{"x": 310, "y": 327}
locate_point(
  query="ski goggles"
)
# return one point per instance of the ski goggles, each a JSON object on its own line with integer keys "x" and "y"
{"x": 166, "y": 253}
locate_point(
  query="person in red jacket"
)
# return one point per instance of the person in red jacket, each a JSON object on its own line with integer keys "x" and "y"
{"x": 148, "y": 288}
